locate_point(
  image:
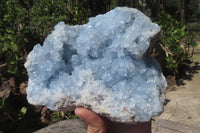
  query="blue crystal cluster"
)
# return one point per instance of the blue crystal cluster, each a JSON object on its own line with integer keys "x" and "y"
{"x": 101, "y": 65}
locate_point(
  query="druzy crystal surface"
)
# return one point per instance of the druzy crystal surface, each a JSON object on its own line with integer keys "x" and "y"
{"x": 101, "y": 65}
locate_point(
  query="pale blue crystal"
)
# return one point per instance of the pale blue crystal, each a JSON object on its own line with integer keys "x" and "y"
{"x": 101, "y": 65}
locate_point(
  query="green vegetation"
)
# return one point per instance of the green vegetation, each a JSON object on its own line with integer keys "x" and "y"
{"x": 57, "y": 116}
{"x": 22, "y": 113}
{"x": 24, "y": 23}
{"x": 176, "y": 40}
{"x": 194, "y": 9}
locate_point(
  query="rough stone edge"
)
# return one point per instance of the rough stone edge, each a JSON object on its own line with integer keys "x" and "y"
{"x": 175, "y": 127}
{"x": 66, "y": 126}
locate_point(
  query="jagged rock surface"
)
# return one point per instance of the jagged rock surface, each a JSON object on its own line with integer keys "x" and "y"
{"x": 101, "y": 65}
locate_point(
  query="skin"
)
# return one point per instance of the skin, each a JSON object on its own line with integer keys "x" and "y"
{"x": 97, "y": 124}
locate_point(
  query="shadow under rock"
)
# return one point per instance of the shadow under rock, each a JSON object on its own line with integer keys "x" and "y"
{"x": 166, "y": 102}
{"x": 187, "y": 72}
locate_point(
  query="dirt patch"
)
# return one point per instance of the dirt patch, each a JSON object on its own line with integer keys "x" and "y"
{"x": 183, "y": 104}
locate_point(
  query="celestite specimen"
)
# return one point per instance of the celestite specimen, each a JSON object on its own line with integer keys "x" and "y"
{"x": 101, "y": 65}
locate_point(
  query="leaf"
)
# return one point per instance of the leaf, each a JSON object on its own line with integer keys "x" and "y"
{"x": 12, "y": 69}
{"x": 56, "y": 116}
{"x": 22, "y": 113}
{"x": 23, "y": 110}
{"x": 194, "y": 44}
{"x": 11, "y": 58}
{"x": 183, "y": 28}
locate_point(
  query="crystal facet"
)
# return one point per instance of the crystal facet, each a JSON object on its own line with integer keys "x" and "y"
{"x": 101, "y": 65}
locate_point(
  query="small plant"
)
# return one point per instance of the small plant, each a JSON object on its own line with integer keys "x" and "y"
{"x": 176, "y": 41}
{"x": 70, "y": 115}
{"x": 57, "y": 116}
{"x": 22, "y": 113}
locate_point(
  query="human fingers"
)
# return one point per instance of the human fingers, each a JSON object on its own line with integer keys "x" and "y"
{"x": 95, "y": 123}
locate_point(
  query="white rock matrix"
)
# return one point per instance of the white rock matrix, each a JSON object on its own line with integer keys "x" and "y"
{"x": 101, "y": 65}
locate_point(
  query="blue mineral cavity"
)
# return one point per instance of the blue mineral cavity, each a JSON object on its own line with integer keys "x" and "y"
{"x": 101, "y": 65}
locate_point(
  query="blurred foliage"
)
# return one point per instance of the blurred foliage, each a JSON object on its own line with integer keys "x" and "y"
{"x": 194, "y": 9}
{"x": 176, "y": 40}
{"x": 23, "y": 23}
{"x": 172, "y": 6}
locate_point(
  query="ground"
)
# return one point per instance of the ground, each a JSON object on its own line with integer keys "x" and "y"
{"x": 183, "y": 103}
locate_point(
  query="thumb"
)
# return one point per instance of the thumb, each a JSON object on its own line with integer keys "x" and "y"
{"x": 95, "y": 123}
